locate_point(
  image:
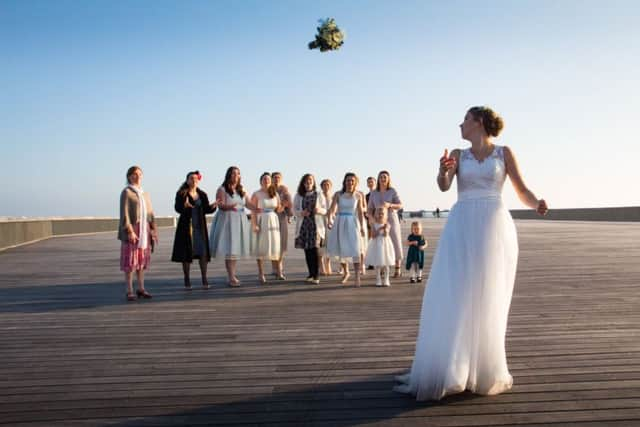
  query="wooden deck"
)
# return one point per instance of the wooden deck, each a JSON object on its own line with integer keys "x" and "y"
{"x": 73, "y": 352}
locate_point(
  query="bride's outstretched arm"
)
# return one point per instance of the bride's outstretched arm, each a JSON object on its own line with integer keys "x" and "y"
{"x": 526, "y": 196}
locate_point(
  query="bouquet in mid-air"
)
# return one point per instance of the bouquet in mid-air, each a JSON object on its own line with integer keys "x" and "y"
{"x": 329, "y": 36}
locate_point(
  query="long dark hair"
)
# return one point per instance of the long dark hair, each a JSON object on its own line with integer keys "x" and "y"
{"x": 271, "y": 190}
{"x": 301, "y": 190}
{"x": 184, "y": 187}
{"x": 227, "y": 182}
{"x": 344, "y": 181}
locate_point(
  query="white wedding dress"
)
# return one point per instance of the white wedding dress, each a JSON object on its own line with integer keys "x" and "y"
{"x": 461, "y": 340}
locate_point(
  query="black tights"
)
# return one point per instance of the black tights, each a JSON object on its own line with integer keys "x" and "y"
{"x": 311, "y": 256}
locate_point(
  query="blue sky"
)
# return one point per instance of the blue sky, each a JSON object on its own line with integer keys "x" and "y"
{"x": 90, "y": 88}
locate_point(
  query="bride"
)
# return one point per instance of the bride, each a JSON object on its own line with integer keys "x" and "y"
{"x": 461, "y": 341}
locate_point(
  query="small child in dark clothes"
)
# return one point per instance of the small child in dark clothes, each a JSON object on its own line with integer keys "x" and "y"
{"x": 415, "y": 256}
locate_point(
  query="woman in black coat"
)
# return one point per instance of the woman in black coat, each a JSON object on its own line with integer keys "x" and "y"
{"x": 192, "y": 240}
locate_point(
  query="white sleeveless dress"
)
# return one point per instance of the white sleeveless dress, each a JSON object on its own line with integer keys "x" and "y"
{"x": 344, "y": 240}
{"x": 230, "y": 235}
{"x": 380, "y": 251}
{"x": 266, "y": 242}
{"x": 461, "y": 339}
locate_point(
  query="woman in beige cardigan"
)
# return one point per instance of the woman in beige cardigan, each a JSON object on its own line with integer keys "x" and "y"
{"x": 137, "y": 232}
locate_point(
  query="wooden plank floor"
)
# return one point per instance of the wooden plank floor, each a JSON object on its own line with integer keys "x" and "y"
{"x": 73, "y": 352}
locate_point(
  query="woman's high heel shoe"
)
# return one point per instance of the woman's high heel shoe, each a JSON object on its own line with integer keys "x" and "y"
{"x": 143, "y": 294}
{"x": 131, "y": 296}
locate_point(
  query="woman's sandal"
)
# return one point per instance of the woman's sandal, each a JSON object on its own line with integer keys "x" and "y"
{"x": 143, "y": 294}
{"x": 131, "y": 296}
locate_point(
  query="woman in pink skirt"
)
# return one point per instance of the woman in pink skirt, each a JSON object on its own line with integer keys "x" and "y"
{"x": 137, "y": 232}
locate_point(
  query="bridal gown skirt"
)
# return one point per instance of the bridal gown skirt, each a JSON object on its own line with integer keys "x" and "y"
{"x": 461, "y": 339}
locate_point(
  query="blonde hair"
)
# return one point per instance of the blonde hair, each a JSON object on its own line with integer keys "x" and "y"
{"x": 384, "y": 212}
{"x": 491, "y": 121}
{"x": 416, "y": 224}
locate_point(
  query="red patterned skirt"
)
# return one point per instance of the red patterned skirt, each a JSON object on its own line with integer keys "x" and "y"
{"x": 132, "y": 258}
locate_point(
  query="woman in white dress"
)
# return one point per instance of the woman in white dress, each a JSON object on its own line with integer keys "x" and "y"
{"x": 284, "y": 216}
{"x": 461, "y": 339}
{"x": 266, "y": 226}
{"x": 380, "y": 252}
{"x": 365, "y": 235}
{"x": 325, "y": 264}
{"x": 346, "y": 224}
{"x": 230, "y": 235}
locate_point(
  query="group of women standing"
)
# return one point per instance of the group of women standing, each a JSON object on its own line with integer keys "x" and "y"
{"x": 328, "y": 226}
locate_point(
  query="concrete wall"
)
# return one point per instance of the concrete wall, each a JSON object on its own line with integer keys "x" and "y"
{"x": 15, "y": 233}
{"x": 19, "y": 232}
{"x": 590, "y": 214}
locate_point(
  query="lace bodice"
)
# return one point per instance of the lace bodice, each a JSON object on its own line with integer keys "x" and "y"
{"x": 480, "y": 180}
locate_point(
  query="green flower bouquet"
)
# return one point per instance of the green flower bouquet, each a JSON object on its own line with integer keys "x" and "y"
{"x": 329, "y": 36}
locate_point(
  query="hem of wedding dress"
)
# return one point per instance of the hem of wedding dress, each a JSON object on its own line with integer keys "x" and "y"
{"x": 405, "y": 388}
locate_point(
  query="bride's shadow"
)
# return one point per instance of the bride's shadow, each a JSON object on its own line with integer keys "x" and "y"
{"x": 338, "y": 405}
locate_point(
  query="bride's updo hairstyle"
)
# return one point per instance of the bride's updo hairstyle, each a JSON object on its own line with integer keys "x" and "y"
{"x": 491, "y": 121}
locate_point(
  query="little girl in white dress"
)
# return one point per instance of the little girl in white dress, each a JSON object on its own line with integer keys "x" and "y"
{"x": 380, "y": 252}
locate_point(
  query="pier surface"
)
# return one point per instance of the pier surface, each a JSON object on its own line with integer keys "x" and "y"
{"x": 75, "y": 353}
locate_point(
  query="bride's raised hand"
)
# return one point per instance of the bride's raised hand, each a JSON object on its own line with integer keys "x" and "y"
{"x": 542, "y": 208}
{"x": 446, "y": 163}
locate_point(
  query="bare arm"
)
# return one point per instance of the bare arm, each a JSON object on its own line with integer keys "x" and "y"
{"x": 254, "y": 219}
{"x": 448, "y": 169}
{"x": 396, "y": 203}
{"x": 423, "y": 245}
{"x": 526, "y": 196}
{"x": 370, "y": 207}
{"x": 251, "y": 205}
{"x": 331, "y": 215}
{"x": 221, "y": 196}
{"x": 360, "y": 212}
